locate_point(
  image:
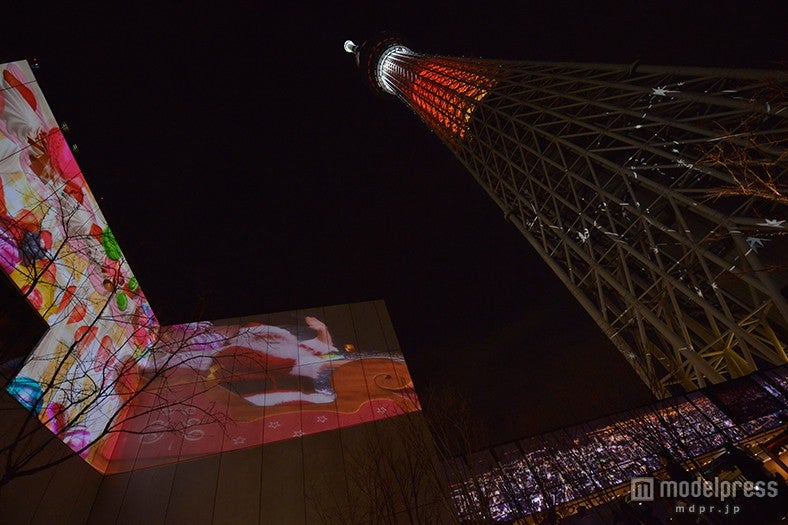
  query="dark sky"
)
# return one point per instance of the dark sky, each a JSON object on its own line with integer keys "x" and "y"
{"x": 246, "y": 168}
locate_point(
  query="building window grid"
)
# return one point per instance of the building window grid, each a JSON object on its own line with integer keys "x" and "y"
{"x": 547, "y": 466}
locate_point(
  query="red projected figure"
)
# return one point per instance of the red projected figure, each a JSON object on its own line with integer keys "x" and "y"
{"x": 265, "y": 365}
{"x": 263, "y": 382}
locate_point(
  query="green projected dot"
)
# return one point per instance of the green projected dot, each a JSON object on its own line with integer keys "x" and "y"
{"x": 123, "y": 301}
{"x": 110, "y": 245}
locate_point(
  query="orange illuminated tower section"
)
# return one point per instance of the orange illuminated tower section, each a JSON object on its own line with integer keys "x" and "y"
{"x": 444, "y": 92}
{"x": 655, "y": 194}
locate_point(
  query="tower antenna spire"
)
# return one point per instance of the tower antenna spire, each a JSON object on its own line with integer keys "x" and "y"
{"x": 350, "y": 47}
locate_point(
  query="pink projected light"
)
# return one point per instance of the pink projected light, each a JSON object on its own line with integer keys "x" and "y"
{"x": 245, "y": 383}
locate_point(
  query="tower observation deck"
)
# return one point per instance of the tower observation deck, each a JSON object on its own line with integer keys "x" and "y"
{"x": 655, "y": 194}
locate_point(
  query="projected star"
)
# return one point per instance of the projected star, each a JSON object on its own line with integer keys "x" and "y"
{"x": 239, "y": 440}
{"x": 298, "y": 433}
{"x": 661, "y": 91}
{"x": 274, "y": 424}
{"x": 321, "y": 419}
{"x": 756, "y": 242}
{"x": 772, "y": 223}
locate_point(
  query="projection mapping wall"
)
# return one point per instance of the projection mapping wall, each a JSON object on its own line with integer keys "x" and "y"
{"x": 125, "y": 392}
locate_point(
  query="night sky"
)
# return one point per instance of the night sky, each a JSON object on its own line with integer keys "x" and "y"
{"x": 245, "y": 168}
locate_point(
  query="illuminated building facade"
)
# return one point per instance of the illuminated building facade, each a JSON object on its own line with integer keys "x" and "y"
{"x": 592, "y": 463}
{"x": 653, "y": 193}
{"x": 256, "y": 419}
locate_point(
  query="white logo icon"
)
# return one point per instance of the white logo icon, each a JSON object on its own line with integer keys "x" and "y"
{"x": 642, "y": 489}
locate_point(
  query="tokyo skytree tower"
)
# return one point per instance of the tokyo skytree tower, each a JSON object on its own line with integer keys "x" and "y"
{"x": 654, "y": 193}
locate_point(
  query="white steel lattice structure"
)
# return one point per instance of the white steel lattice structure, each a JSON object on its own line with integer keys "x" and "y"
{"x": 655, "y": 194}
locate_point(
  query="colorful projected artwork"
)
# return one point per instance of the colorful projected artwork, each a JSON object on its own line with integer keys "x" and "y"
{"x": 120, "y": 389}
{"x": 55, "y": 243}
{"x": 248, "y": 382}
{"x": 57, "y": 248}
